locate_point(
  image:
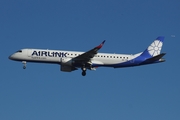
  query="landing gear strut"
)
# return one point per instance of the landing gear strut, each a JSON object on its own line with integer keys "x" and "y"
{"x": 83, "y": 71}
{"x": 24, "y": 64}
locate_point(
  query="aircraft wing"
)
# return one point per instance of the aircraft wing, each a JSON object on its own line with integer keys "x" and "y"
{"x": 89, "y": 54}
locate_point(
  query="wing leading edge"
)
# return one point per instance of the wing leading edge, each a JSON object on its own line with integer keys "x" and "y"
{"x": 89, "y": 54}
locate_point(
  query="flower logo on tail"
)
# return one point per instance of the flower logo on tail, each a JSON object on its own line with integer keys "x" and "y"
{"x": 155, "y": 48}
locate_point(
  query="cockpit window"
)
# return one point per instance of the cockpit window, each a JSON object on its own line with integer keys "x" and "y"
{"x": 19, "y": 51}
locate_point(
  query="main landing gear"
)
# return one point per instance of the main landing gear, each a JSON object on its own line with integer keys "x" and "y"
{"x": 24, "y": 64}
{"x": 83, "y": 71}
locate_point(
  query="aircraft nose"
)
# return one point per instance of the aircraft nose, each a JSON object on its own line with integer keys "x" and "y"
{"x": 11, "y": 57}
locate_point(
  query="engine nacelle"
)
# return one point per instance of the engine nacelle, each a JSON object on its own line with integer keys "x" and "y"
{"x": 66, "y": 68}
{"x": 67, "y": 65}
{"x": 66, "y": 61}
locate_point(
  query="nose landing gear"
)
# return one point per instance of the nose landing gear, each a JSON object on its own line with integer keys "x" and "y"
{"x": 24, "y": 64}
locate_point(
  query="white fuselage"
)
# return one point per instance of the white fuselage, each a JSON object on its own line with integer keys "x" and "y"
{"x": 55, "y": 56}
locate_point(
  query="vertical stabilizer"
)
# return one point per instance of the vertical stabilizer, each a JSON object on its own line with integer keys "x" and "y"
{"x": 154, "y": 49}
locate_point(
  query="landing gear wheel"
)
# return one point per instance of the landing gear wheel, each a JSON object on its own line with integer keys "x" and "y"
{"x": 24, "y": 67}
{"x": 24, "y": 64}
{"x": 84, "y": 73}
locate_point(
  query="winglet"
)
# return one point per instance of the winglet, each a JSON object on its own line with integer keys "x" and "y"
{"x": 99, "y": 47}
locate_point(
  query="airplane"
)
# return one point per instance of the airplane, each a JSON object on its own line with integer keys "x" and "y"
{"x": 72, "y": 60}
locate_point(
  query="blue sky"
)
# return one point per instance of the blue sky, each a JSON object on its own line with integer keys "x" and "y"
{"x": 42, "y": 91}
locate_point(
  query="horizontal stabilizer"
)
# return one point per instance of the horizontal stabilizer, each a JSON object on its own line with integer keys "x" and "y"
{"x": 155, "y": 58}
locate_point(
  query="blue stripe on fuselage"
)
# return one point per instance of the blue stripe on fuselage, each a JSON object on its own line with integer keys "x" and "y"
{"x": 134, "y": 62}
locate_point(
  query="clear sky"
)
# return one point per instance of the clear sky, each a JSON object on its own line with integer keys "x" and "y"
{"x": 43, "y": 92}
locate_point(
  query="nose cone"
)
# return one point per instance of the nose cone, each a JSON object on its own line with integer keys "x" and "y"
{"x": 11, "y": 57}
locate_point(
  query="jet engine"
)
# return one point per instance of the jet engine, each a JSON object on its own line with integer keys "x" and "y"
{"x": 66, "y": 61}
{"x": 67, "y": 65}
